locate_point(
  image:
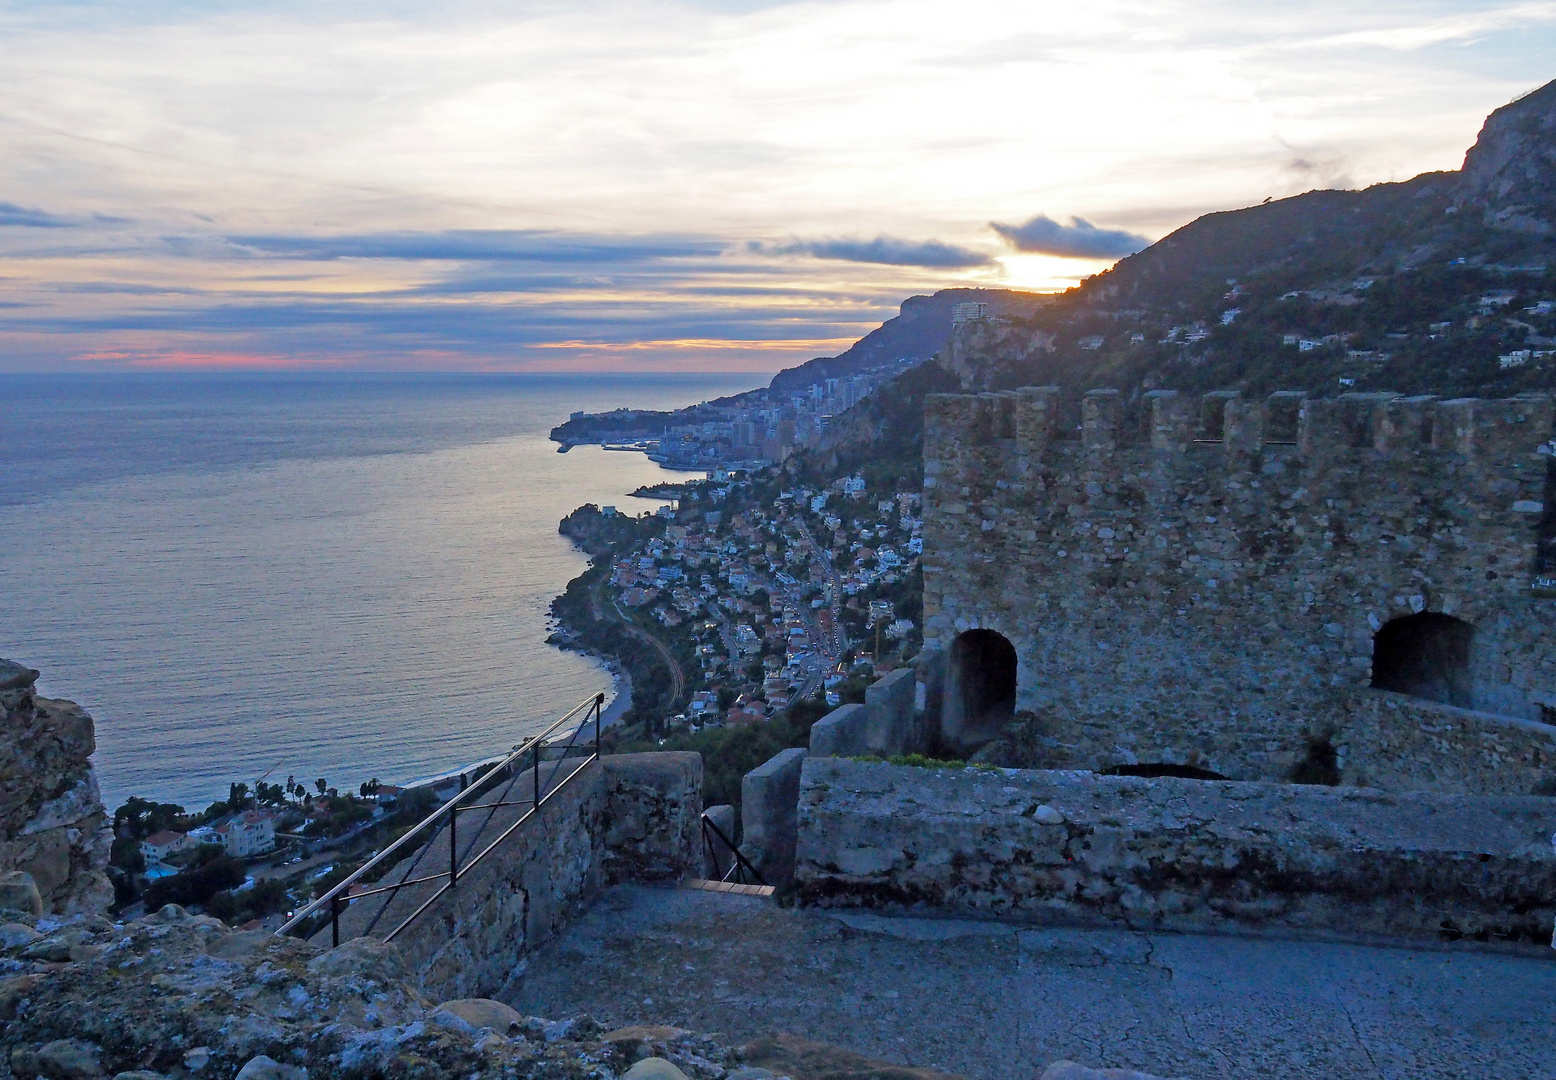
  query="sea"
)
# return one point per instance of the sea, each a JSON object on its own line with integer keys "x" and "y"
{"x": 304, "y": 575}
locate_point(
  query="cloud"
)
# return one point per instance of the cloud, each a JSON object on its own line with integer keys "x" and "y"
{"x": 885, "y": 250}
{"x": 1080, "y": 239}
{"x": 486, "y": 245}
{"x": 29, "y": 217}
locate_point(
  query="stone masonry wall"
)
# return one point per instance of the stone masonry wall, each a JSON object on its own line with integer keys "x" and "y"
{"x": 1214, "y": 602}
{"x": 52, "y": 822}
{"x": 627, "y": 817}
{"x": 1073, "y": 847}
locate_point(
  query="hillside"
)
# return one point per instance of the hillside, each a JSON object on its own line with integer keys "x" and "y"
{"x": 921, "y": 330}
{"x": 1439, "y": 285}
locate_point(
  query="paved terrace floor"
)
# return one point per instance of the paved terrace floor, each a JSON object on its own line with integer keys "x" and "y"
{"x": 994, "y": 1002}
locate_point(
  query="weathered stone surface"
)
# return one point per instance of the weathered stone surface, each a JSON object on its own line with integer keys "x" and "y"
{"x": 622, "y": 816}
{"x": 52, "y": 822}
{"x": 843, "y": 732}
{"x": 1182, "y": 854}
{"x": 478, "y": 1013}
{"x": 769, "y": 797}
{"x": 637, "y": 1033}
{"x": 190, "y": 998}
{"x": 1214, "y": 604}
{"x": 892, "y": 728}
{"x": 61, "y": 1059}
{"x": 806, "y": 1059}
{"x": 653, "y": 1068}
{"x": 19, "y": 892}
{"x": 652, "y": 816}
{"x": 1069, "y": 1070}
{"x": 265, "y": 1068}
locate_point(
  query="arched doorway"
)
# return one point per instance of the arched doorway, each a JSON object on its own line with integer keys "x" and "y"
{"x": 1426, "y": 656}
{"x": 980, "y": 697}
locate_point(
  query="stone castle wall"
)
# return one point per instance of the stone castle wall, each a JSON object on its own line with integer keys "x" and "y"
{"x": 1071, "y": 847}
{"x": 52, "y": 822}
{"x": 1204, "y": 587}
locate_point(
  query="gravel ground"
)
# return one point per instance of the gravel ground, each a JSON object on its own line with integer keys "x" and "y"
{"x": 992, "y": 1001}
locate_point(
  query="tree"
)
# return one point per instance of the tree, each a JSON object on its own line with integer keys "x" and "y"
{"x": 322, "y": 784}
{"x": 237, "y": 795}
{"x": 139, "y": 818}
{"x": 369, "y": 788}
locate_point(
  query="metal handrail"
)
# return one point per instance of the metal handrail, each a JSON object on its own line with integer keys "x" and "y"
{"x": 533, "y": 746}
{"x": 740, "y": 866}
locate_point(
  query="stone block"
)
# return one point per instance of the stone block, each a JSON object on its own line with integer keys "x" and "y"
{"x": 652, "y": 816}
{"x": 769, "y": 795}
{"x": 1191, "y": 855}
{"x": 19, "y": 892}
{"x": 473, "y": 1014}
{"x": 1100, "y": 410}
{"x": 891, "y": 728}
{"x": 843, "y": 732}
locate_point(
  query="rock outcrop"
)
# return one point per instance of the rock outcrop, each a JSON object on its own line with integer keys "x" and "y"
{"x": 53, "y": 826}
{"x": 179, "y": 995}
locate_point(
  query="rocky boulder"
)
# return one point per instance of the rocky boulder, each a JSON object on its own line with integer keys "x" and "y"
{"x": 53, "y": 827}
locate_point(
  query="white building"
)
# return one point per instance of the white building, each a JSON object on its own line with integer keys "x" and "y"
{"x": 159, "y": 845}
{"x": 248, "y": 834}
{"x": 966, "y": 313}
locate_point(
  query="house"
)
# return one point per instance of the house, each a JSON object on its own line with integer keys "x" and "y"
{"x": 703, "y": 702}
{"x": 388, "y": 794}
{"x": 159, "y": 845}
{"x": 746, "y": 710}
{"x": 250, "y": 833}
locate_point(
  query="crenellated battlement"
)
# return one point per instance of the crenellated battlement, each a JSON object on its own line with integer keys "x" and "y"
{"x": 1484, "y": 429}
{"x": 1193, "y": 579}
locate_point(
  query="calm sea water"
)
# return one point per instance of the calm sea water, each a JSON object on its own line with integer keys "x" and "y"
{"x": 338, "y": 576}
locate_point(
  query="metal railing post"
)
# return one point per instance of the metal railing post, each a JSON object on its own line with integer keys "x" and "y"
{"x": 341, "y": 895}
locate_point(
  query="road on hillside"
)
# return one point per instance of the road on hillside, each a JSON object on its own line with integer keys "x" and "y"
{"x": 597, "y": 609}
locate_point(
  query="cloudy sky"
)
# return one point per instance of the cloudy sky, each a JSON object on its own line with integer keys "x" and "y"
{"x": 718, "y": 185}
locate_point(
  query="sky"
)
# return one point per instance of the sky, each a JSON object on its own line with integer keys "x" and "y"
{"x": 723, "y": 185}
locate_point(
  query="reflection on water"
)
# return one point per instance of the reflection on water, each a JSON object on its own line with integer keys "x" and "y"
{"x": 336, "y": 577}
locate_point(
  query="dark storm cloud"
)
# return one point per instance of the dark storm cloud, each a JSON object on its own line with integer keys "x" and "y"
{"x": 885, "y": 250}
{"x": 1080, "y": 239}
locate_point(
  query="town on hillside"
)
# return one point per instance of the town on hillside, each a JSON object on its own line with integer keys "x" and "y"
{"x": 755, "y": 596}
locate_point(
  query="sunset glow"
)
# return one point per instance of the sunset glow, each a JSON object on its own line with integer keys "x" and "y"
{"x": 663, "y": 185}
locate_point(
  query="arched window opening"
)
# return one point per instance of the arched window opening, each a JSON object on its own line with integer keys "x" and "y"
{"x": 980, "y": 696}
{"x": 1426, "y": 656}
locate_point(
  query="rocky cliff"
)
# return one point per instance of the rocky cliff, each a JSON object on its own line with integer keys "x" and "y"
{"x": 52, "y": 823}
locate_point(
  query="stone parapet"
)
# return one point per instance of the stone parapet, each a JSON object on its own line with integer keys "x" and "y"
{"x": 630, "y": 816}
{"x": 1068, "y": 847}
{"x": 769, "y": 795}
{"x": 1379, "y": 739}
